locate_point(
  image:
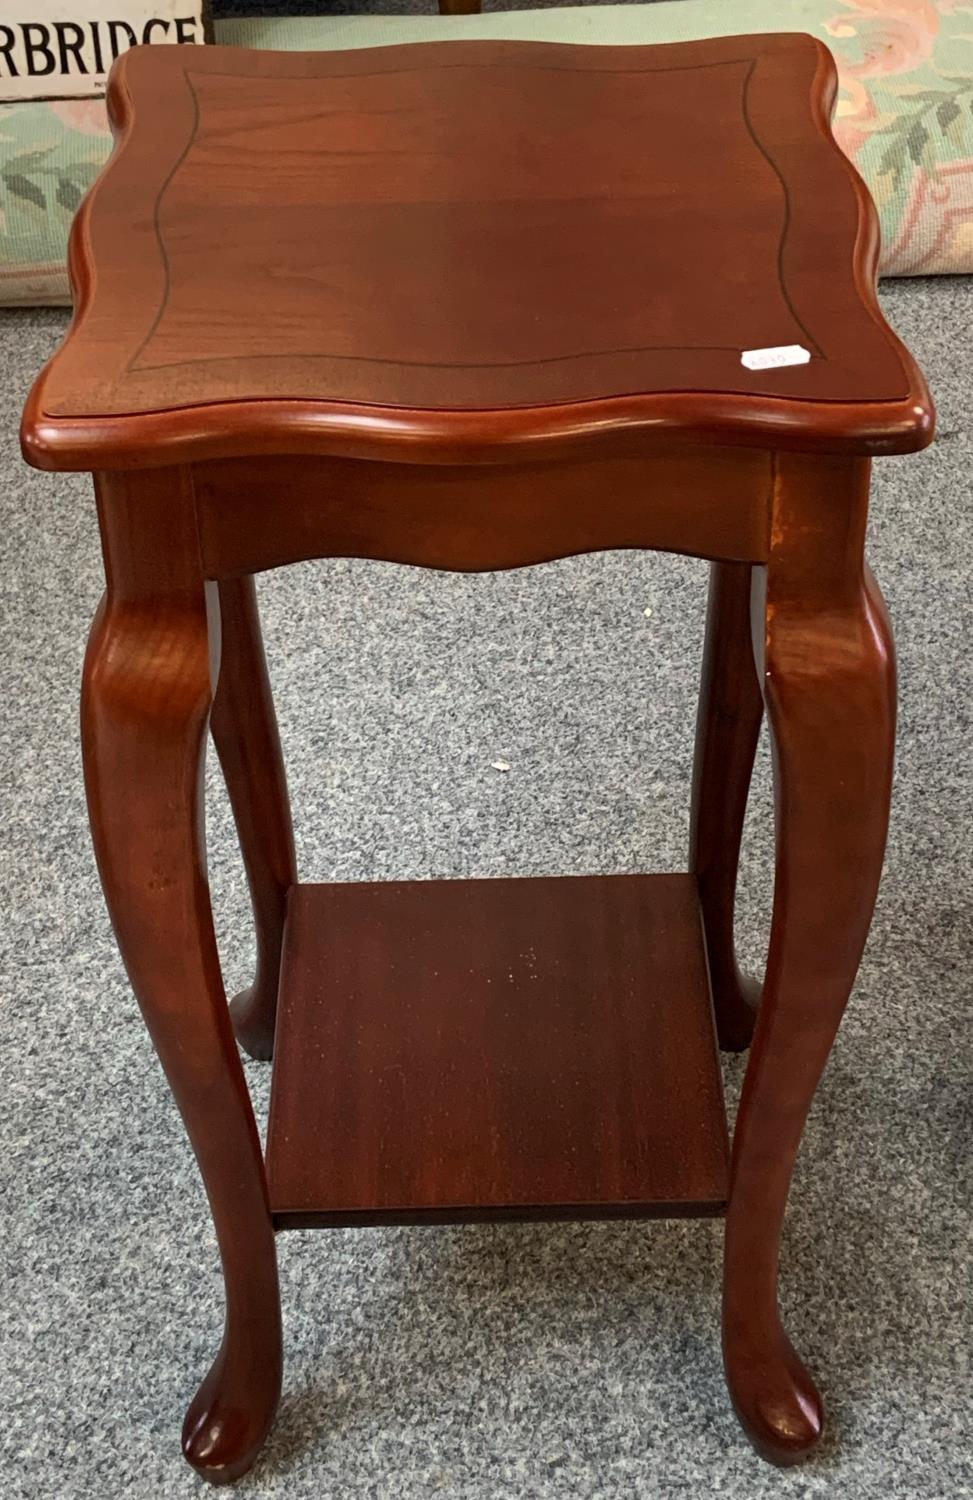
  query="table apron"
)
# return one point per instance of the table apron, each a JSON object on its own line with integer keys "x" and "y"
{"x": 255, "y": 514}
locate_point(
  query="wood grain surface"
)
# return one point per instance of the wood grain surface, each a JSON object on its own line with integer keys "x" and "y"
{"x": 727, "y": 731}
{"x": 152, "y": 656}
{"x": 265, "y": 512}
{"x": 522, "y": 276}
{"x": 244, "y": 729}
{"x": 495, "y": 1048}
{"x": 445, "y": 248}
{"x": 826, "y": 664}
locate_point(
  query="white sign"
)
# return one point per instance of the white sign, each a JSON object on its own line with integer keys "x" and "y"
{"x": 776, "y": 358}
{"x": 63, "y": 49}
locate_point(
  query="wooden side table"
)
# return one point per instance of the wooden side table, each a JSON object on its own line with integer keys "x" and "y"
{"x": 474, "y": 306}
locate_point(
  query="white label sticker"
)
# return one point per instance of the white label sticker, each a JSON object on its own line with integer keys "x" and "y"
{"x": 774, "y": 359}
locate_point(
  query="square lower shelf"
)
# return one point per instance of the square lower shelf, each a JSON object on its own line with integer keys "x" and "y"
{"x": 487, "y": 1049}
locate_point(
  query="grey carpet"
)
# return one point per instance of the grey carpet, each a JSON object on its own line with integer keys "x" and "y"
{"x": 576, "y": 1361}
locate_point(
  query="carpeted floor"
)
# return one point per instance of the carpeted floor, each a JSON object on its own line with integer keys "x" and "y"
{"x": 550, "y": 1363}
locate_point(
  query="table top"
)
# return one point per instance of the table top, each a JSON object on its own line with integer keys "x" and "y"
{"x": 471, "y": 251}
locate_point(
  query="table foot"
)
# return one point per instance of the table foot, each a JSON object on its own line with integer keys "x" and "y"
{"x": 231, "y": 1414}
{"x": 736, "y": 1000}
{"x": 249, "y": 1012}
{"x": 774, "y": 1397}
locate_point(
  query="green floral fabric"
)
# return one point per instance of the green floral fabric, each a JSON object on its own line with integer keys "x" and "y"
{"x": 49, "y": 155}
{"x": 904, "y": 113}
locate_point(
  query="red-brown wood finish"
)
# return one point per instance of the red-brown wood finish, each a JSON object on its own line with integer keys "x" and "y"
{"x": 419, "y": 341}
{"x": 824, "y": 646}
{"x": 459, "y": 7}
{"x": 475, "y": 1049}
{"x": 727, "y": 730}
{"x": 639, "y": 221}
{"x": 145, "y": 708}
{"x": 244, "y": 729}
{"x": 484, "y": 517}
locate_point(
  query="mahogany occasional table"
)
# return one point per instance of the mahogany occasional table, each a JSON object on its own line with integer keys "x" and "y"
{"x": 473, "y": 306}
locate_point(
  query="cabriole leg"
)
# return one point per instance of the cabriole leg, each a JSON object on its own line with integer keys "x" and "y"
{"x": 244, "y": 729}
{"x": 145, "y": 707}
{"x": 727, "y": 729}
{"x": 826, "y": 655}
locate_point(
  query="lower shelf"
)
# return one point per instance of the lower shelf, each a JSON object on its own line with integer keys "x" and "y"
{"x": 487, "y": 1049}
